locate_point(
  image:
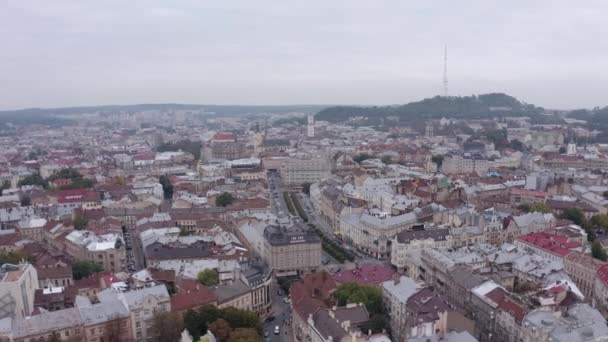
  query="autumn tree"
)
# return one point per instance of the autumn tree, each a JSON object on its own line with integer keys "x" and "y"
{"x": 244, "y": 335}
{"x": 220, "y": 329}
{"x": 167, "y": 326}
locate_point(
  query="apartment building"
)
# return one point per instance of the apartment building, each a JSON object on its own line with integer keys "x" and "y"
{"x": 291, "y": 250}
{"x": 297, "y": 170}
{"x": 18, "y": 284}
{"x": 107, "y": 250}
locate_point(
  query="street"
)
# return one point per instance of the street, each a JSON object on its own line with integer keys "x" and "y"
{"x": 281, "y": 312}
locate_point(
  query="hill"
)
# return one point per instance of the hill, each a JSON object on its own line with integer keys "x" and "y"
{"x": 487, "y": 105}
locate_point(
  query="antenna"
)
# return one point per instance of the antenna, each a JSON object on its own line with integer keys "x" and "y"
{"x": 445, "y": 71}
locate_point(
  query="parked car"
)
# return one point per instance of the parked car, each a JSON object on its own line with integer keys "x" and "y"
{"x": 277, "y": 330}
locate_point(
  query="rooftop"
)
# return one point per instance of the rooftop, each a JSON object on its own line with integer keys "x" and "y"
{"x": 367, "y": 274}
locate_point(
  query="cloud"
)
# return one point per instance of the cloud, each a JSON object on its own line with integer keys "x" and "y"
{"x": 57, "y": 53}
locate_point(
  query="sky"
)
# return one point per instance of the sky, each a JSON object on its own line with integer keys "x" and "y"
{"x": 67, "y": 53}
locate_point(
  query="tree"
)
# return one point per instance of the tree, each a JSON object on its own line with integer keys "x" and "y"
{"x": 220, "y": 329}
{"x": 361, "y": 157}
{"x": 562, "y": 150}
{"x": 5, "y": 185}
{"x": 377, "y": 324}
{"x": 84, "y": 268}
{"x": 55, "y": 337}
{"x": 14, "y": 257}
{"x": 26, "y": 200}
{"x": 224, "y": 199}
{"x": 437, "y": 159}
{"x": 386, "y": 160}
{"x": 600, "y": 221}
{"x": 536, "y": 207}
{"x": 244, "y": 335}
{"x": 306, "y": 188}
{"x": 370, "y": 296}
{"x": 80, "y": 222}
{"x": 208, "y": 277}
{"x": 598, "y": 251}
{"x": 197, "y": 321}
{"x": 167, "y": 326}
{"x": 167, "y": 186}
{"x": 575, "y": 215}
{"x": 35, "y": 180}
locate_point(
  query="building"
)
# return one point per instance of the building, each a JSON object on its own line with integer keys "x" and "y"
{"x": 65, "y": 324}
{"x": 465, "y": 164}
{"x": 578, "y": 323}
{"x": 18, "y": 284}
{"x": 107, "y": 250}
{"x": 396, "y": 293}
{"x": 549, "y": 245}
{"x": 106, "y": 321}
{"x": 291, "y": 250}
{"x": 583, "y": 268}
{"x": 297, "y": 170}
{"x": 409, "y": 240}
{"x": 142, "y": 303}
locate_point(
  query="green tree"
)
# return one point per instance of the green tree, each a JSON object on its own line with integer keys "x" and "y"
{"x": 562, "y": 150}
{"x": 14, "y": 257}
{"x": 575, "y": 215}
{"x": 437, "y": 159}
{"x": 598, "y": 251}
{"x": 377, "y": 323}
{"x": 220, "y": 329}
{"x": 167, "y": 326}
{"x": 208, "y": 277}
{"x": 167, "y": 186}
{"x": 361, "y": 157}
{"x": 600, "y": 221}
{"x": 84, "y": 268}
{"x": 244, "y": 335}
{"x": 35, "y": 180}
{"x": 80, "y": 222}
{"x": 370, "y": 296}
{"x": 536, "y": 207}
{"x": 306, "y": 188}
{"x": 224, "y": 199}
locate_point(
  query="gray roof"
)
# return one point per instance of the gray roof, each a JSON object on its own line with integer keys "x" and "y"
{"x": 103, "y": 312}
{"x": 159, "y": 251}
{"x": 403, "y": 290}
{"x": 464, "y": 276}
{"x": 47, "y": 321}
{"x": 583, "y": 323}
{"x": 297, "y": 233}
{"x": 225, "y": 293}
{"x": 407, "y": 236}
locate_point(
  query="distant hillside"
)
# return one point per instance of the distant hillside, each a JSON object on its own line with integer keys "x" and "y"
{"x": 488, "y": 105}
{"x": 49, "y": 116}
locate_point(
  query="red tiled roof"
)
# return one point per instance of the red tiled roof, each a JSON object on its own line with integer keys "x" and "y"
{"x": 369, "y": 274}
{"x": 224, "y": 136}
{"x": 75, "y": 195}
{"x": 191, "y": 294}
{"x": 507, "y": 304}
{"x": 556, "y": 244}
{"x": 528, "y": 193}
{"x": 602, "y": 274}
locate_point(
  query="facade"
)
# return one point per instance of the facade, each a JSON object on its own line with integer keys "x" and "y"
{"x": 291, "y": 250}
{"x": 465, "y": 164}
{"x": 107, "y": 250}
{"x": 373, "y": 233}
{"x": 299, "y": 170}
{"x": 396, "y": 293}
{"x": 18, "y": 284}
{"x": 409, "y": 240}
{"x": 142, "y": 304}
{"x": 583, "y": 268}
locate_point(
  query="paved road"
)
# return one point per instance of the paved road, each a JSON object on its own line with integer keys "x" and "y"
{"x": 277, "y": 200}
{"x": 282, "y": 313}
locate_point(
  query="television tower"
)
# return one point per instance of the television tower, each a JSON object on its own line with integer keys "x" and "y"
{"x": 445, "y": 71}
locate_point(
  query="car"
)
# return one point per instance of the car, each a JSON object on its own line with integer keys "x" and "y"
{"x": 270, "y": 319}
{"x": 286, "y": 300}
{"x": 277, "y": 330}
{"x": 266, "y": 333}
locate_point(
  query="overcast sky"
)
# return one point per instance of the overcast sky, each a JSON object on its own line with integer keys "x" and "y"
{"x": 65, "y": 52}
